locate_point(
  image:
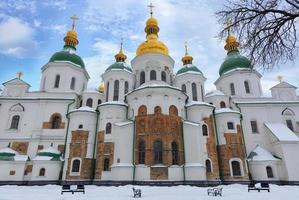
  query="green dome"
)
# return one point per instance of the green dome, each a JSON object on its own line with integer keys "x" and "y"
{"x": 67, "y": 56}
{"x": 119, "y": 65}
{"x": 188, "y": 68}
{"x": 234, "y": 60}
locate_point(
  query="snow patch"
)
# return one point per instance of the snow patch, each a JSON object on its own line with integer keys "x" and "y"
{"x": 282, "y": 132}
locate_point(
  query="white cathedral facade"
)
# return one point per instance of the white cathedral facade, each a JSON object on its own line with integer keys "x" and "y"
{"x": 148, "y": 123}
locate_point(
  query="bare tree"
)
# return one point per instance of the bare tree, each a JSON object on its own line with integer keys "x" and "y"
{"x": 266, "y": 29}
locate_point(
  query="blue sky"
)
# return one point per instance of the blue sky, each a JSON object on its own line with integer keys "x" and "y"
{"x": 31, "y": 31}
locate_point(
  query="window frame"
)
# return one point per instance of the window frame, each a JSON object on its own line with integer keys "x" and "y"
{"x": 229, "y": 127}
{"x": 76, "y": 173}
{"x": 57, "y": 81}
{"x": 14, "y": 125}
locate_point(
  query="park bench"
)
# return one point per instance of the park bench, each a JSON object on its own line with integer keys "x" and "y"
{"x": 67, "y": 188}
{"x": 215, "y": 191}
{"x": 265, "y": 186}
{"x": 136, "y": 192}
{"x": 80, "y": 188}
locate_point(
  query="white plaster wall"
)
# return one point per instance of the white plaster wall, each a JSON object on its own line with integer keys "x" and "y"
{"x": 66, "y": 70}
{"x": 7, "y": 166}
{"x": 284, "y": 94}
{"x": 215, "y": 100}
{"x": 238, "y": 77}
{"x": 221, "y": 121}
{"x": 188, "y": 79}
{"x": 52, "y": 170}
{"x": 197, "y": 112}
{"x": 258, "y": 170}
{"x": 153, "y": 61}
{"x": 122, "y": 76}
{"x": 175, "y": 173}
{"x": 142, "y": 173}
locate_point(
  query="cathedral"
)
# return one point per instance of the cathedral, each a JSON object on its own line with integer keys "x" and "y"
{"x": 147, "y": 122}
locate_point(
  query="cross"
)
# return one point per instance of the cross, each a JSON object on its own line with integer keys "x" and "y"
{"x": 19, "y": 74}
{"x": 121, "y": 43}
{"x": 74, "y": 18}
{"x": 280, "y": 78}
{"x": 228, "y": 24}
{"x": 186, "y": 48}
{"x": 151, "y": 6}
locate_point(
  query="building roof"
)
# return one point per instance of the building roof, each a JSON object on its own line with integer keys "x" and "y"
{"x": 188, "y": 68}
{"x": 214, "y": 93}
{"x": 226, "y": 110}
{"x": 260, "y": 154}
{"x": 282, "y": 132}
{"x": 49, "y": 153}
{"x": 283, "y": 84}
{"x": 8, "y": 154}
{"x": 234, "y": 60}
{"x": 16, "y": 81}
{"x": 119, "y": 65}
{"x": 66, "y": 55}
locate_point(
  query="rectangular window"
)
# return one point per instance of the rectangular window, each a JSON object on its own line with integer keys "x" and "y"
{"x": 230, "y": 126}
{"x": 254, "y": 126}
{"x": 12, "y": 173}
{"x": 40, "y": 147}
{"x": 290, "y": 124}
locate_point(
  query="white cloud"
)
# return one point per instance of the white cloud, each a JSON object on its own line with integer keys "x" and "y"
{"x": 57, "y": 28}
{"x": 193, "y": 21}
{"x": 57, "y": 4}
{"x": 16, "y": 38}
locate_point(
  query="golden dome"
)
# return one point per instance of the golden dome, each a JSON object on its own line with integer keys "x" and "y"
{"x": 71, "y": 38}
{"x": 101, "y": 88}
{"x": 231, "y": 43}
{"x": 152, "y": 44}
{"x": 187, "y": 59}
{"x": 120, "y": 57}
{"x": 152, "y": 22}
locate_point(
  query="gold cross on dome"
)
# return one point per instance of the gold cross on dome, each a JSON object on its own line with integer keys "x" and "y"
{"x": 151, "y": 6}
{"x": 227, "y": 24}
{"x": 74, "y": 18}
{"x": 19, "y": 74}
{"x": 186, "y": 48}
{"x": 121, "y": 43}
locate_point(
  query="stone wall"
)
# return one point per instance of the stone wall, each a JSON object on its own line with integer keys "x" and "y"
{"x": 234, "y": 148}
{"x": 165, "y": 128}
{"x": 104, "y": 150}
{"x": 20, "y": 147}
{"x": 212, "y": 149}
{"x": 78, "y": 148}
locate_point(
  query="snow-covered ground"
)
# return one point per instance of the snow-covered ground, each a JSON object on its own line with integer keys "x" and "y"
{"x": 231, "y": 192}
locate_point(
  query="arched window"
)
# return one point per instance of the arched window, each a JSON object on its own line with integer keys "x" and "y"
{"x": 106, "y": 164}
{"x": 80, "y": 104}
{"x": 175, "y": 153}
{"x": 42, "y": 172}
{"x": 108, "y": 128}
{"x": 232, "y": 89}
{"x": 246, "y": 85}
{"x": 173, "y": 110}
{"x": 163, "y": 76}
{"x": 57, "y": 80}
{"x": 15, "y": 122}
{"x": 116, "y": 90}
{"x": 269, "y": 172}
{"x": 208, "y": 166}
{"x": 158, "y": 110}
{"x": 184, "y": 88}
{"x": 107, "y": 92}
{"x": 236, "y": 168}
{"x": 153, "y": 75}
{"x": 230, "y": 126}
{"x": 89, "y": 102}
{"x": 204, "y": 130}
{"x": 80, "y": 126}
{"x": 56, "y": 121}
{"x": 126, "y": 87}
{"x": 290, "y": 124}
{"x": 158, "y": 152}
{"x": 194, "y": 92}
{"x": 141, "y": 152}
{"x": 76, "y": 166}
{"x": 73, "y": 83}
{"x": 142, "y": 110}
{"x": 142, "y": 77}
{"x": 222, "y": 104}
{"x": 99, "y": 101}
